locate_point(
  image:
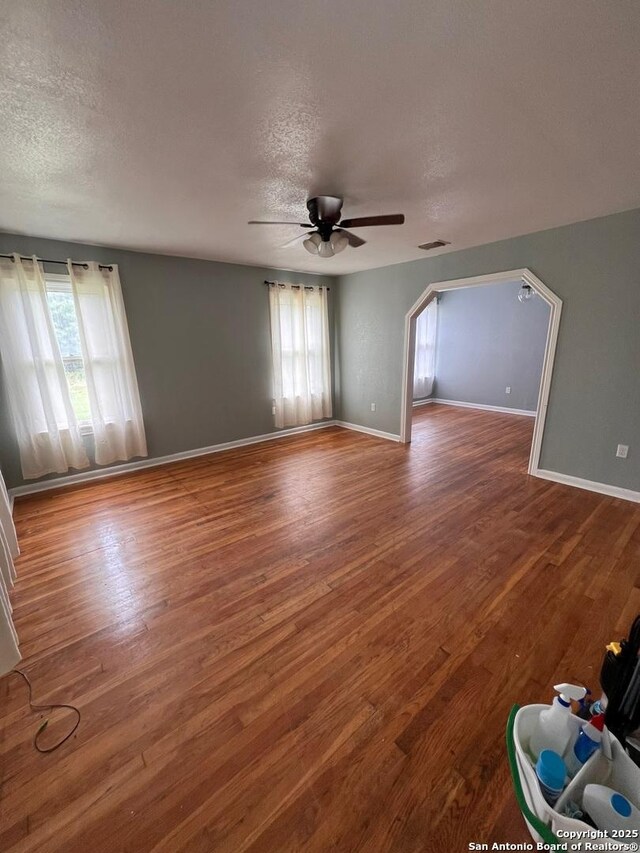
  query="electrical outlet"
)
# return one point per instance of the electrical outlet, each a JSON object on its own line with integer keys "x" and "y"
{"x": 622, "y": 451}
{"x": 273, "y": 410}
{"x": 507, "y": 390}
{"x": 373, "y": 407}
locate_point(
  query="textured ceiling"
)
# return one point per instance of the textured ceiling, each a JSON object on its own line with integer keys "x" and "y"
{"x": 165, "y": 126}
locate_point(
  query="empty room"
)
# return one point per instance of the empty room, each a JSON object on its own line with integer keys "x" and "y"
{"x": 319, "y": 426}
{"x": 480, "y": 347}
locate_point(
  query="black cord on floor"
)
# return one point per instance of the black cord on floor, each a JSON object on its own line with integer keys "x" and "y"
{"x": 44, "y": 725}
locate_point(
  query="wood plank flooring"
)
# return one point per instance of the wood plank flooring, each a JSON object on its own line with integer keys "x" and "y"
{"x": 305, "y": 645}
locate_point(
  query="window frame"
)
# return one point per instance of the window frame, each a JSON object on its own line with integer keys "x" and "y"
{"x": 61, "y": 283}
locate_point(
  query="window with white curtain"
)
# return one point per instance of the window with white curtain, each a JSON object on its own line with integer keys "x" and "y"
{"x": 65, "y": 326}
{"x": 300, "y": 350}
{"x": 112, "y": 384}
{"x": 45, "y": 424}
{"x": 424, "y": 368}
{"x": 67, "y": 362}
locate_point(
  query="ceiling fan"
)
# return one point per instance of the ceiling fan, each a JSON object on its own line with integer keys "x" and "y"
{"x": 330, "y": 235}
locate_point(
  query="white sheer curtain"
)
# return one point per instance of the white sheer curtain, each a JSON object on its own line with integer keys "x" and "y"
{"x": 300, "y": 353}
{"x": 46, "y": 427}
{"x": 9, "y": 653}
{"x": 424, "y": 368}
{"x": 112, "y": 385}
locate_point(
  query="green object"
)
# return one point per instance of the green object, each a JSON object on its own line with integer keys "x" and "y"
{"x": 541, "y": 828}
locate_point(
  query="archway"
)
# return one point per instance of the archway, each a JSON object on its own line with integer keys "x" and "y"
{"x": 527, "y": 278}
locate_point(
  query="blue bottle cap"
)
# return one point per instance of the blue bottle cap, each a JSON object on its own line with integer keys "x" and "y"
{"x": 551, "y": 769}
{"x": 621, "y": 805}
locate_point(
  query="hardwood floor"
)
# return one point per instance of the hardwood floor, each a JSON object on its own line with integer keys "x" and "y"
{"x": 310, "y": 644}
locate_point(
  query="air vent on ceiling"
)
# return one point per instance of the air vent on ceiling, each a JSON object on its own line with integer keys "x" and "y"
{"x": 435, "y": 244}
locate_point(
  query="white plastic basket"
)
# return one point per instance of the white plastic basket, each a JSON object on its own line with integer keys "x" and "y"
{"x": 610, "y": 766}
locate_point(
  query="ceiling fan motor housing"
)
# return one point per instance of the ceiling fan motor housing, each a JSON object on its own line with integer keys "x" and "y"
{"x": 324, "y": 213}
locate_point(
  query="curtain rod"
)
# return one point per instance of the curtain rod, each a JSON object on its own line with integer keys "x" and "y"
{"x": 49, "y": 261}
{"x": 295, "y": 286}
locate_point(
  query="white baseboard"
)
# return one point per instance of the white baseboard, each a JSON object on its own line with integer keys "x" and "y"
{"x": 589, "y": 485}
{"x": 375, "y": 432}
{"x": 417, "y": 403}
{"x": 127, "y": 467}
{"x": 116, "y": 470}
{"x": 526, "y": 412}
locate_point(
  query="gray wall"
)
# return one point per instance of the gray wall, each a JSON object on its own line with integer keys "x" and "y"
{"x": 200, "y": 338}
{"x": 487, "y": 340}
{"x": 594, "y": 267}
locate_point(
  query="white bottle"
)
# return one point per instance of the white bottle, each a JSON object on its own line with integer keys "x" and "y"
{"x": 611, "y": 811}
{"x": 554, "y": 729}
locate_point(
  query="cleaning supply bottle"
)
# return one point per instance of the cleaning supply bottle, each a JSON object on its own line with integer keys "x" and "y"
{"x": 587, "y": 742}
{"x": 552, "y": 774}
{"x": 600, "y": 705}
{"x": 611, "y": 812}
{"x": 554, "y": 730}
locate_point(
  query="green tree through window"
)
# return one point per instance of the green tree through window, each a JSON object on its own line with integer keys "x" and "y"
{"x": 65, "y": 324}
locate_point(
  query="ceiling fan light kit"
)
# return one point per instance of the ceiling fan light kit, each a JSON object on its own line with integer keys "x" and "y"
{"x": 315, "y": 245}
{"x": 526, "y": 293}
{"x": 312, "y": 243}
{"x": 325, "y": 250}
{"x": 338, "y": 242}
{"x": 331, "y": 236}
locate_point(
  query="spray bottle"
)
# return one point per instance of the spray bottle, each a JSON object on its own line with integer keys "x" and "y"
{"x": 587, "y": 743}
{"x": 554, "y": 730}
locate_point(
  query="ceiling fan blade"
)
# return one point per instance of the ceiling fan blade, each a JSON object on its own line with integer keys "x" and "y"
{"x": 263, "y": 222}
{"x": 354, "y": 240}
{"x": 366, "y": 221}
{"x": 294, "y": 240}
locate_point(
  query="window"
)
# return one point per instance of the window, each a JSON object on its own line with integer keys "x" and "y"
{"x": 425, "y": 358}
{"x": 67, "y": 364}
{"x": 300, "y": 354}
{"x": 65, "y": 324}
